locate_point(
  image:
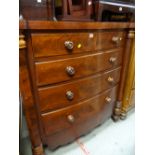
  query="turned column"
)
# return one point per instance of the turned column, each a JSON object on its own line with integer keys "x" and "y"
{"x": 27, "y": 99}
{"x": 118, "y": 105}
{"x": 127, "y": 102}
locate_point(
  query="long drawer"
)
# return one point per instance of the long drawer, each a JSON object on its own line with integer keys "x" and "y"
{"x": 52, "y": 44}
{"x": 49, "y": 72}
{"x": 63, "y": 95}
{"x": 75, "y": 131}
{"x": 62, "y": 119}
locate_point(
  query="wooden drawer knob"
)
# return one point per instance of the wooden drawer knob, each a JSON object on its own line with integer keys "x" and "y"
{"x": 120, "y": 9}
{"x": 116, "y": 39}
{"x": 71, "y": 118}
{"x": 70, "y": 70}
{"x": 110, "y": 79}
{"x": 108, "y": 99}
{"x": 69, "y": 45}
{"x": 69, "y": 95}
{"x": 112, "y": 59}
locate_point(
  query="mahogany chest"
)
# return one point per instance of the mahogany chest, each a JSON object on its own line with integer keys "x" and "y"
{"x": 71, "y": 77}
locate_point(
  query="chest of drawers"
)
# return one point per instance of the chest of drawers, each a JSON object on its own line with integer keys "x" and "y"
{"x": 71, "y": 77}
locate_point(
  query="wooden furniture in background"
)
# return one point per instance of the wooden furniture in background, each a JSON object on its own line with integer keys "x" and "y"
{"x": 76, "y": 10}
{"x": 114, "y": 11}
{"x": 37, "y": 9}
{"x": 129, "y": 91}
{"x": 72, "y": 76}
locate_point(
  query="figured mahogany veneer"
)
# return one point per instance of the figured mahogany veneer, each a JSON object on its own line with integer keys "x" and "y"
{"x": 81, "y": 112}
{"x": 92, "y": 120}
{"x": 54, "y": 97}
{"x": 101, "y": 26}
{"x": 72, "y": 77}
{"x": 48, "y": 72}
{"x": 52, "y": 44}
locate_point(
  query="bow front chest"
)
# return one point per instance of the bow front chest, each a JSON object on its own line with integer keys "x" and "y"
{"x": 71, "y": 77}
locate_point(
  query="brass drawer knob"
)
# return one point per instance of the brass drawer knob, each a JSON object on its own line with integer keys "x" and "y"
{"x": 69, "y": 45}
{"x": 108, "y": 99}
{"x": 110, "y": 79}
{"x": 112, "y": 59}
{"x": 116, "y": 39}
{"x": 69, "y": 95}
{"x": 71, "y": 118}
{"x": 70, "y": 70}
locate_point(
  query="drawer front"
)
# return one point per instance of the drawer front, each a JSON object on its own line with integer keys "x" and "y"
{"x": 49, "y": 72}
{"x": 53, "y": 44}
{"x": 63, "y": 95}
{"x": 109, "y": 40}
{"x": 69, "y": 134}
{"x": 57, "y": 121}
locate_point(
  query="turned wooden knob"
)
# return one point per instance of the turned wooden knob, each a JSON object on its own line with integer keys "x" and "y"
{"x": 110, "y": 79}
{"x": 69, "y": 95}
{"x": 116, "y": 39}
{"x": 70, "y": 118}
{"x": 108, "y": 99}
{"x": 112, "y": 59}
{"x": 70, "y": 70}
{"x": 69, "y": 45}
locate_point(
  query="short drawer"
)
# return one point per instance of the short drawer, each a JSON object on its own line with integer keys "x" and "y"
{"x": 54, "y": 44}
{"x": 63, "y": 95}
{"x": 109, "y": 40}
{"x": 49, "y": 72}
{"x": 101, "y": 104}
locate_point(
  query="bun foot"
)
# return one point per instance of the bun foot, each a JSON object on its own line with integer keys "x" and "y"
{"x": 38, "y": 150}
{"x": 123, "y": 116}
{"x": 116, "y": 114}
{"x": 115, "y": 118}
